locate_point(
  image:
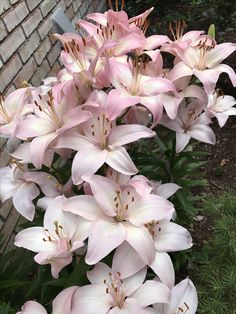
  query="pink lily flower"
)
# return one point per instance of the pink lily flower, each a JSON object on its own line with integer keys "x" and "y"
{"x": 12, "y": 110}
{"x": 102, "y": 141}
{"x": 47, "y": 123}
{"x": 62, "y": 234}
{"x": 20, "y": 184}
{"x": 118, "y": 215}
{"x": 204, "y": 61}
{"x": 129, "y": 79}
{"x": 190, "y": 122}
{"x": 32, "y": 307}
{"x": 221, "y": 107}
{"x": 110, "y": 292}
{"x": 183, "y": 299}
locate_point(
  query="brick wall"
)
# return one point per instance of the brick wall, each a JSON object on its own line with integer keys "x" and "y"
{"x": 29, "y": 52}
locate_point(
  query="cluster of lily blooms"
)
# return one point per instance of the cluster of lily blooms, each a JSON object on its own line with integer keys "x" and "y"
{"x": 112, "y": 91}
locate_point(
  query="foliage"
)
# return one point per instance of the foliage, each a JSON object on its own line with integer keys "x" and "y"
{"x": 214, "y": 268}
{"x": 158, "y": 160}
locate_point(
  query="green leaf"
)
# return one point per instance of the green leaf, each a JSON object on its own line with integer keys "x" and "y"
{"x": 11, "y": 284}
{"x": 212, "y": 31}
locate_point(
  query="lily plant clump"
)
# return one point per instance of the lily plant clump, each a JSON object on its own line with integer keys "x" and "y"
{"x": 112, "y": 92}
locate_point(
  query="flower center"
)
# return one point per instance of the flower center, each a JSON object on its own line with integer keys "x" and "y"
{"x": 122, "y": 203}
{"x": 182, "y": 310}
{"x": 116, "y": 290}
{"x": 204, "y": 48}
{"x": 100, "y": 129}
{"x": 152, "y": 228}
{"x": 178, "y": 31}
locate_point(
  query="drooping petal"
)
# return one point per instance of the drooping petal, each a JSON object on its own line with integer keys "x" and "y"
{"x": 104, "y": 237}
{"x": 63, "y": 302}
{"x": 32, "y": 239}
{"x": 87, "y": 162}
{"x": 182, "y": 140}
{"x": 125, "y": 134}
{"x": 152, "y": 292}
{"x": 32, "y": 307}
{"x": 104, "y": 191}
{"x": 126, "y": 261}
{"x": 202, "y": 133}
{"x": 163, "y": 268}
{"x": 120, "y": 160}
{"x": 219, "y": 53}
{"x": 167, "y": 190}
{"x": 83, "y": 205}
{"x": 140, "y": 239}
{"x": 22, "y": 200}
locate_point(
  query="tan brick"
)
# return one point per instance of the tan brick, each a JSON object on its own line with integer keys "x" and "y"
{"x": 8, "y": 227}
{"x": 5, "y": 208}
{"x": 54, "y": 54}
{"x": 1, "y": 64}
{"x": 32, "y": 22}
{"x": 2, "y": 143}
{"x": 41, "y": 73}
{"x": 3, "y": 31}
{"x": 62, "y": 5}
{"x": 76, "y": 5}
{"x": 26, "y": 73}
{"x": 11, "y": 44}
{"x": 15, "y": 16}
{"x": 4, "y": 6}
{"x": 33, "y": 3}
{"x": 9, "y": 90}
{"x": 68, "y": 2}
{"x": 46, "y": 6}
{"x": 4, "y": 158}
{"x": 30, "y": 46}
{"x": 14, "y": 1}
{"x": 9, "y": 71}
{"x": 70, "y": 13}
{"x": 45, "y": 27}
{"x": 42, "y": 51}
{"x": 55, "y": 69}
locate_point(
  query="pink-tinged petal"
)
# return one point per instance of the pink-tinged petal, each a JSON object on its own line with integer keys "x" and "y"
{"x": 135, "y": 281}
{"x": 38, "y": 148}
{"x": 32, "y": 239}
{"x": 227, "y": 69}
{"x": 174, "y": 125}
{"x": 91, "y": 299}
{"x": 125, "y": 134}
{"x": 154, "y": 105}
{"x": 117, "y": 102}
{"x": 208, "y": 78}
{"x": 171, "y": 104}
{"x": 189, "y": 56}
{"x": 120, "y": 74}
{"x": 141, "y": 185}
{"x": 44, "y": 202}
{"x": 32, "y": 307}
{"x": 104, "y": 237}
{"x": 131, "y": 306}
{"x": 85, "y": 206}
{"x": 155, "y": 41}
{"x": 183, "y": 295}
{"x": 219, "y": 53}
{"x": 67, "y": 220}
{"x": 99, "y": 18}
{"x": 180, "y": 70}
{"x": 81, "y": 232}
{"x": 63, "y": 302}
{"x": 195, "y": 91}
{"x": 128, "y": 43}
{"x": 202, "y": 133}
{"x": 48, "y": 184}
{"x": 173, "y": 237}
{"x": 99, "y": 273}
{"x": 72, "y": 140}
{"x": 140, "y": 239}
{"x": 8, "y": 184}
{"x": 182, "y": 140}
{"x": 23, "y": 153}
{"x": 120, "y": 160}
{"x": 86, "y": 162}
{"x": 57, "y": 262}
{"x": 167, "y": 190}
{"x": 163, "y": 268}
{"x": 152, "y": 292}
{"x": 104, "y": 191}
{"x": 33, "y": 126}
{"x": 74, "y": 117}
{"x": 126, "y": 261}
{"x": 148, "y": 208}
{"x": 153, "y": 86}
{"x": 22, "y": 200}
{"x": 90, "y": 28}
{"x": 222, "y": 118}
